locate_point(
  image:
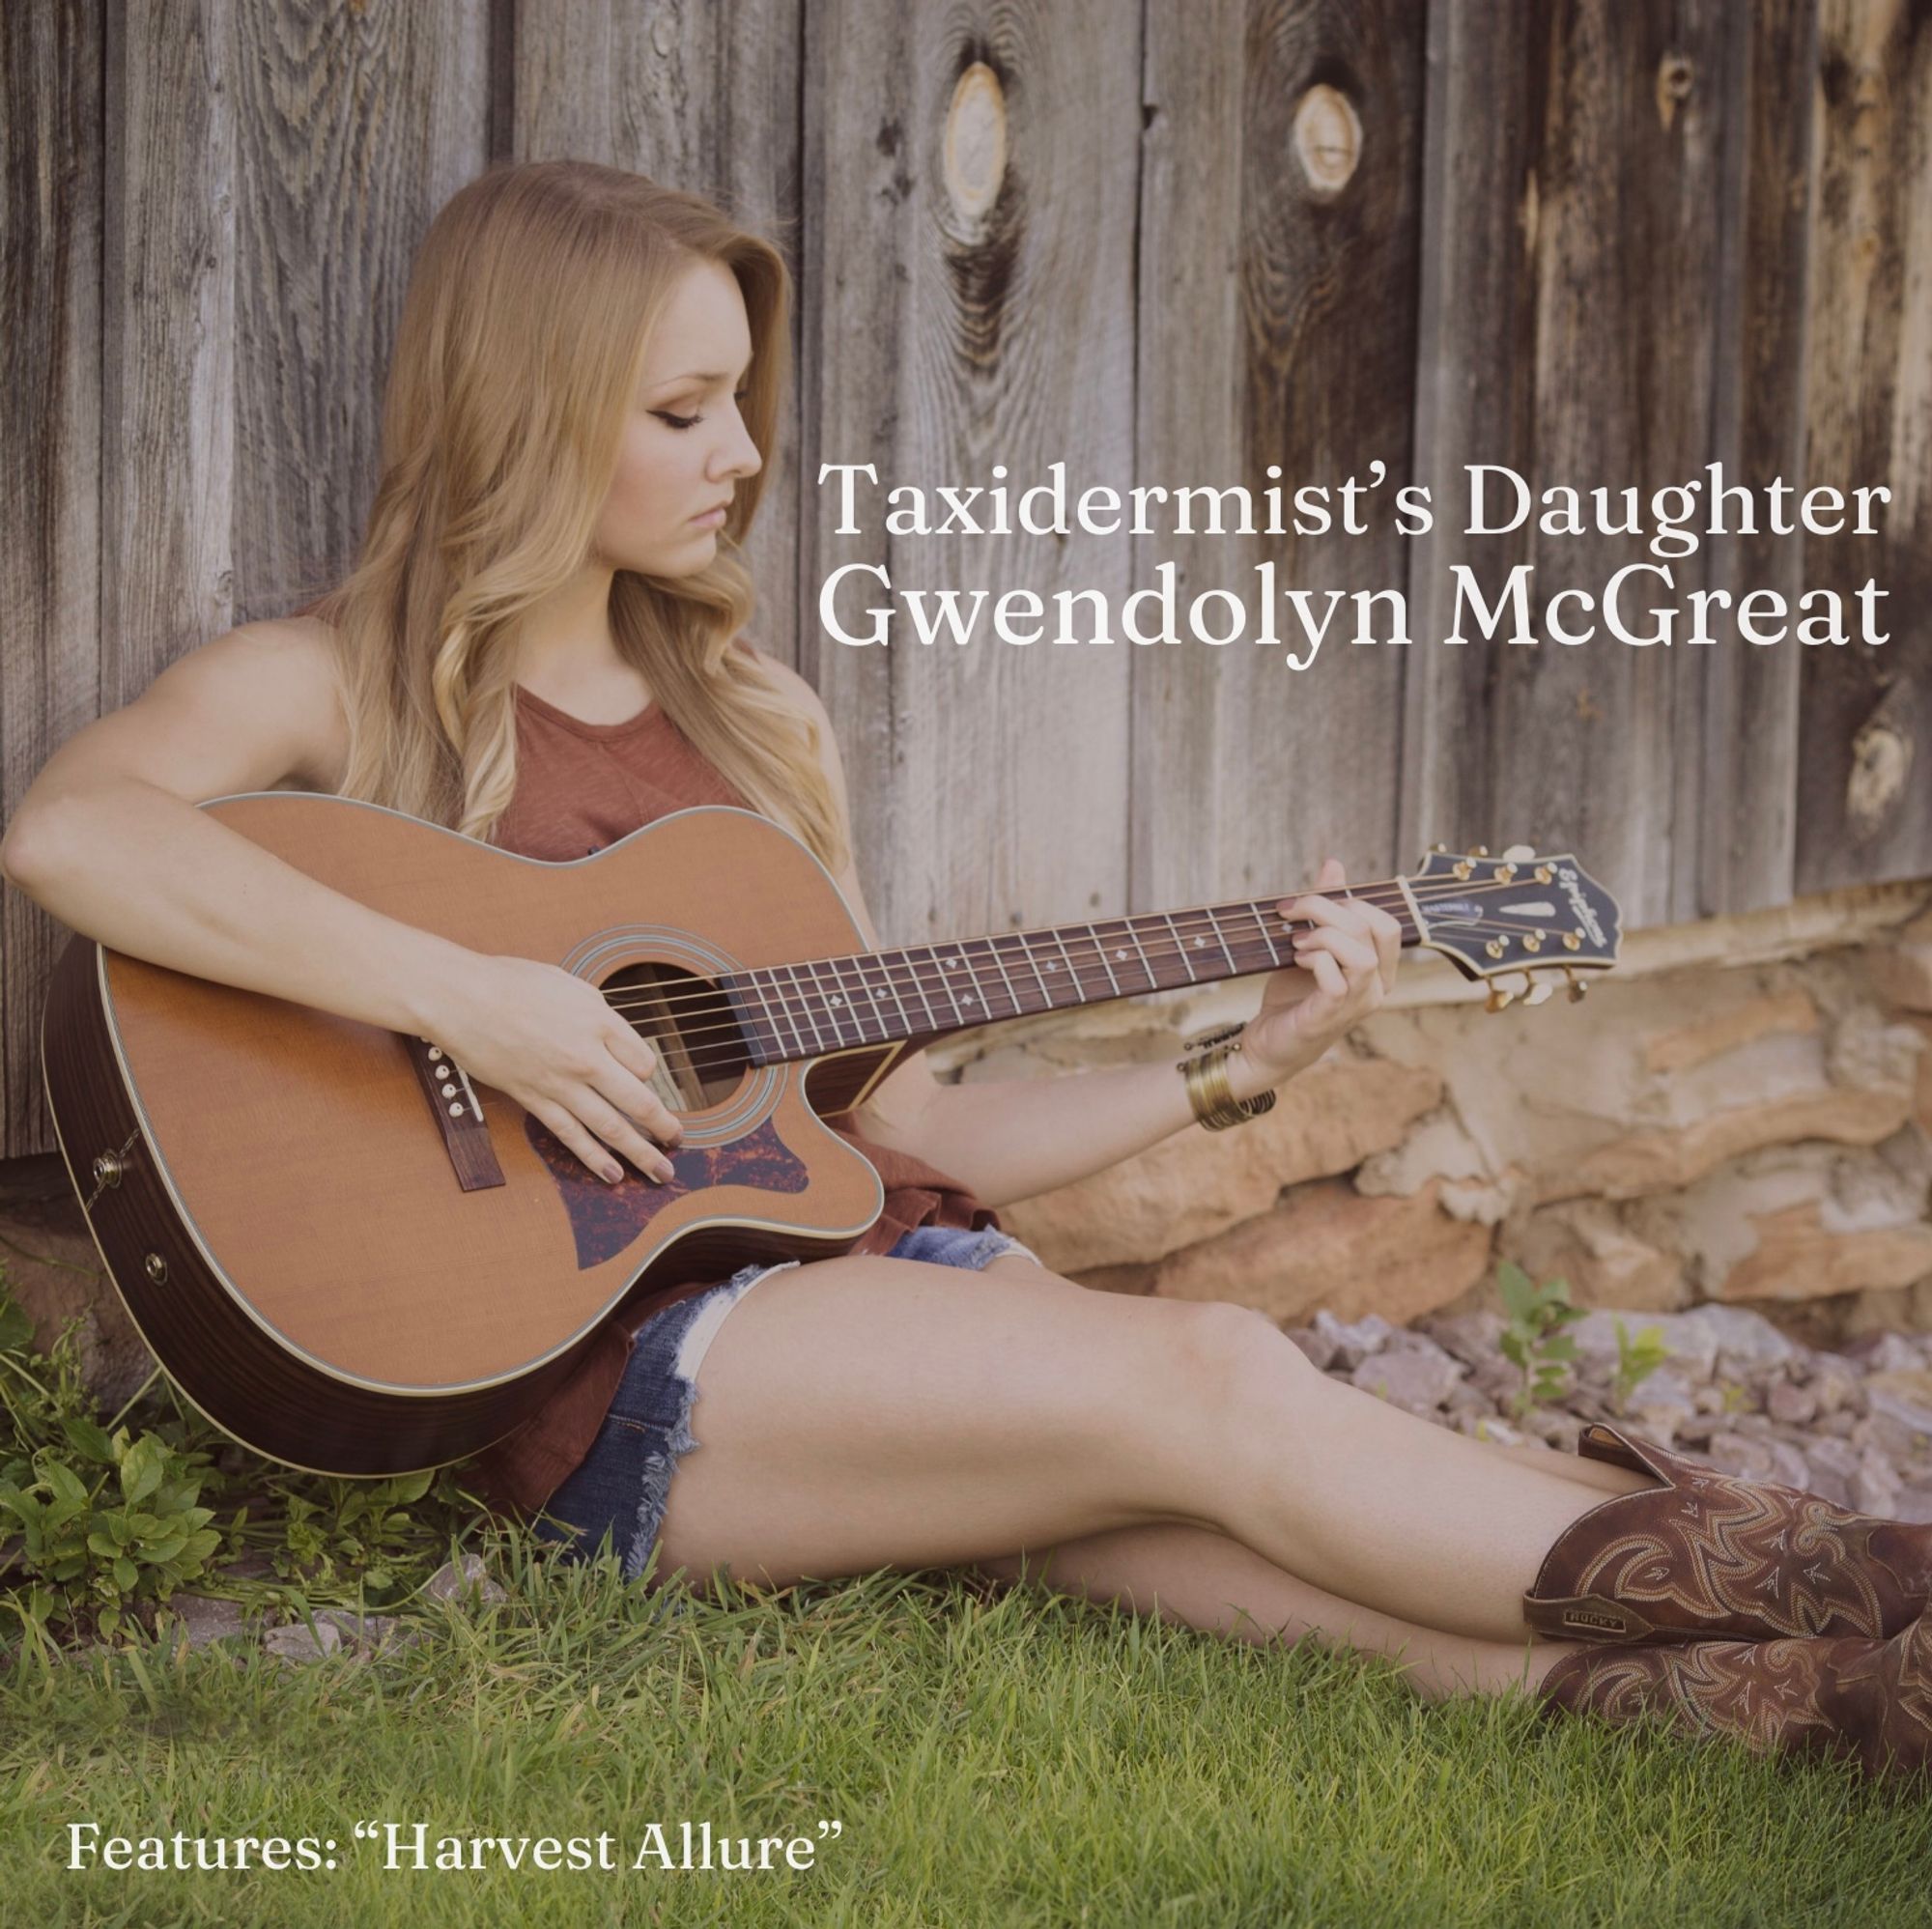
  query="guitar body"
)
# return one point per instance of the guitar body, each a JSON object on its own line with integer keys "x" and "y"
{"x": 325, "y": 1265}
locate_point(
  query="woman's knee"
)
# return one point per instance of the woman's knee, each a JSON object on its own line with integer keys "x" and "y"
{"x": 1232, "y": 1352}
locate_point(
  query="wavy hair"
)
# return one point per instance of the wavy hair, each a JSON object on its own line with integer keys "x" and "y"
{"x": 520, "y": 347}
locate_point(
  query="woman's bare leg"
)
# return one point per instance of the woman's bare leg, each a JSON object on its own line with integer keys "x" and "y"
{"x": 860, "y": 1413}
{"x": 1203, "y": 1580}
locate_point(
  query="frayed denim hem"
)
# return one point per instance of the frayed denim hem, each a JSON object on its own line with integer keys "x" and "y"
{"x": 659, "y": 1468}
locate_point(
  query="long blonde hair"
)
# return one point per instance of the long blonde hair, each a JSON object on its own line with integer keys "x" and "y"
{"x": 519, "y": 350}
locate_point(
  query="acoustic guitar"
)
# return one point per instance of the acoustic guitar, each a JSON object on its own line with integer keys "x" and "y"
{"x": 358, "y": 1259}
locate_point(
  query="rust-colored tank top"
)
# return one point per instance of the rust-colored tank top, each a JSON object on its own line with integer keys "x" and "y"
{"x": 581, "y": 787}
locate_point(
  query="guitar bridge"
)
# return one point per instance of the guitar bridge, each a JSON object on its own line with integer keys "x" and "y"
{"x": 459, "y": 1115}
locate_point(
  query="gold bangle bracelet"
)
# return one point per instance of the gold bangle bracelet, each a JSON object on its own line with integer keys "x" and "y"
{"x": 1209, "y": 1090}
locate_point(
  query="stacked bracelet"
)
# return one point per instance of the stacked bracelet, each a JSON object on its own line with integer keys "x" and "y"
{"x": 1208, "y": 1091}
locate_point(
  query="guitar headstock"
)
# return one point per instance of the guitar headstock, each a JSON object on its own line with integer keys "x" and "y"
{"x": 1517, "y": 912}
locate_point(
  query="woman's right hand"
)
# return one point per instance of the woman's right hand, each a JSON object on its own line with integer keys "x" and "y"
{"x": 551, "y": 1042}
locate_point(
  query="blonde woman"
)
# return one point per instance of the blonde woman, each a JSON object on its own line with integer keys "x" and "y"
{"x": 543, "y": 643}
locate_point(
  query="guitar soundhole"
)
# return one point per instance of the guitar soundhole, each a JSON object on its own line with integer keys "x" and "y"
{"x": 703, "y": 1055}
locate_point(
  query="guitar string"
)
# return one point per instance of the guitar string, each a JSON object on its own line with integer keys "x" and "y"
{"x": 872, "y": 984}
{"x": 883, "y": 999}
{"x": 819, "y": 1015}
{"x": 734, "y": 1055}
{"x": 1197, "y": 923}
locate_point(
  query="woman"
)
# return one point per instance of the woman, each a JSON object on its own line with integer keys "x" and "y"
{"x": 541, "y": 645}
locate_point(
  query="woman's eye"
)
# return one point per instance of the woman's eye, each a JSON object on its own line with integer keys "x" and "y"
{"x": 690, "y": 421}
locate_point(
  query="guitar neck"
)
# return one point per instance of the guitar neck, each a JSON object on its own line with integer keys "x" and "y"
{"x": 804, "y": 1010}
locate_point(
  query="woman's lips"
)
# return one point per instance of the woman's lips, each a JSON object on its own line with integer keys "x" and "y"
{"x": 712, "y": 517}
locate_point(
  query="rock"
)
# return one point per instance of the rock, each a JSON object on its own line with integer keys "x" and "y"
{"x": 1799, "y": 1254}
{"x": 1690, "y": 1339}
{"x": 1791, "y": 1405}
{"x": 1409, "y": 1377}
{"x": 1588, "y": 1242}
{"x": 1900, "y": 1427}
{"x": 295, "y": 1642}
{"x": 1324, "y": 1244}
{"x": 1747, "y": 1342}
{"x": 1875, "y": 1487}
{"x": 370, "y": 1633}
{"x": 1884, "y": 1353}
{"x": 1833, "y": 1467}
{"x": 1836, "y": 1385}
{"x": 205, "y": 1619}
{"x": 1353, "y": 1341}
{"x": 1559, "y": 1429}
{"x": 1676, "y": 1157}
{"x": 1788, "y": 1466}
{"x": 1709, "y": 1035}
{"x": 1319, "y": 1347}
{"x": 1470, "y": 1337}
{"x": 472, "y": 1581}
{"x": 1660, "y": 1403}
{"x": 1190, "y": 1186}
{"x": 1901, "y": 974}
{"x": 1913, "y": 1504}
{"x": 1740, "y": 1456}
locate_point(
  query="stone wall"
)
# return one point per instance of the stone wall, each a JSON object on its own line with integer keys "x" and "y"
{"x": 1740, "y": 1112}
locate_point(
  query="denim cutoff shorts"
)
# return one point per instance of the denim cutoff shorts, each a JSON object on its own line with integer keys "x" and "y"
{"x": 624, "y": 1482}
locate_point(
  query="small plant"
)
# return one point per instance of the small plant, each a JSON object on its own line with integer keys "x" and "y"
{"x": 1638, "y": 1359}
{"x": 100, "y": 1518}
{"x": 1533, "y": 1338}
{"x": 103, "y": 1519}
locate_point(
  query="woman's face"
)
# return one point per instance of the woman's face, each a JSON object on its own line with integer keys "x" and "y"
{"x": 684, "y": 446}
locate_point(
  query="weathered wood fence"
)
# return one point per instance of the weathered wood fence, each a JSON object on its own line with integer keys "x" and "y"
{"x": 1601, "y": 240}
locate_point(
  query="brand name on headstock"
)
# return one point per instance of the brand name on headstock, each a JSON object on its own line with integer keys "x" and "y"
{"x": 1571, "y": 887}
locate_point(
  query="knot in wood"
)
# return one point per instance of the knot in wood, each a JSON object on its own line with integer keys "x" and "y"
{"x": 1327, "y": 139}
{"x": 1676, "y": 76}
{"x": 976, "y": 141}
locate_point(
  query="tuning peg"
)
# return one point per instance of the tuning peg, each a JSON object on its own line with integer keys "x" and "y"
{"x": 1435, "y": 850}
{"x": 1538, "y": 991}
{"x": 1480, "y": 851}
{"x": 1519, "y": 854}
{"x": 1577, "y": 987}
{"x": 1499, "y": 996}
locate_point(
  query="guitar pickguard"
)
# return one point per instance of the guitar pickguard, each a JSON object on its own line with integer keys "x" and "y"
{"x": 605, "y": 1219}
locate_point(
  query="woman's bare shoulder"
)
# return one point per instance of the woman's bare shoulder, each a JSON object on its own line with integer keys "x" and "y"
{"x": 258, "y": 707}
{"x": 301, "y": 656}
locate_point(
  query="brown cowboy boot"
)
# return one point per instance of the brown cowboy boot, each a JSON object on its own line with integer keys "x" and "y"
{"x": 1703, "y": 1554}
{"x": 1834, "y": 1696}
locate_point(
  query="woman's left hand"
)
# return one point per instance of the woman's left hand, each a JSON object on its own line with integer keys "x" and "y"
{"x": 1345, "y": 967}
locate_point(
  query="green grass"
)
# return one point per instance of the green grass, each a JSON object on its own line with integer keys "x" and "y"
{"x": 1003, "y": 1758}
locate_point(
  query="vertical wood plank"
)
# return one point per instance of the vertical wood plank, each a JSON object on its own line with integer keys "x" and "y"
{"x": 701, "y": 98}
{"x": 1278, "y": 290}
{"x": 1749, "y": 827}
{"x": 1866, "y": 744}
{"x": 51, "y": 135}
{"x": 1578, "y": 247}
{"x": 352, "y": 128}
{"x": 969, "y": 248}
{"x": 168, "y": 484}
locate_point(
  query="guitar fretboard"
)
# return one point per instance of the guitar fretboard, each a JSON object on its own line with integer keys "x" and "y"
{"x": 804, "y": 1010}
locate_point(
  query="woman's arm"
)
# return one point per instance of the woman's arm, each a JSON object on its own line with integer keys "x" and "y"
{"x": 108, "y": 841}
{"x": 1010, "y": 1139}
